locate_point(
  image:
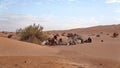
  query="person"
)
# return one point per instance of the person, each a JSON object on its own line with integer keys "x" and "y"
{"x": 60, "y": 41}
{"x": 48, "y": 41}
{"x": 89, "y": 40}
{"x": 55, "y": 37}
{"x": 82, "y": 41}
{"x": 52, "y": 42}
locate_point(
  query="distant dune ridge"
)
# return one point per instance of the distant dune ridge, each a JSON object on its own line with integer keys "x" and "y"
{"x": 95, "y": 29}
{"x": 105, "y": 54}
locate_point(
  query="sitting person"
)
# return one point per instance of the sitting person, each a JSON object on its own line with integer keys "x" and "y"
{"x": 89, "y": 40}
{"x": 60, "y": 41}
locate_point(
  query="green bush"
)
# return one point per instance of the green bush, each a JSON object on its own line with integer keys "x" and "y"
{"x": 31, "y": 32}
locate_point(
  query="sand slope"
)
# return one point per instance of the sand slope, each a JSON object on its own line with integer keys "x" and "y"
{"x": 106, "y": 29}
{"x": 106, "y": 54}
{"x": 17, "y": 54}
{"x": 9, "y": 47}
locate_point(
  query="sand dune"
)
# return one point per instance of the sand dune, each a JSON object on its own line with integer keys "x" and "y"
{"x": 106, "y": 29}
{"x": 36, "y": 62}
{"x": 17, "y": 54}
{"x": 9, "y": 47}
{"x": 106, "y": 54}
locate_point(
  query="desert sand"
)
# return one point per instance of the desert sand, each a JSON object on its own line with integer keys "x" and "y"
{"x": 106, "y": 54}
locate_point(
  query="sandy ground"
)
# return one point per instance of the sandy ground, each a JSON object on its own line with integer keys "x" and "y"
{"x": 10, "y": 47}
{"x": 18, "y": 54}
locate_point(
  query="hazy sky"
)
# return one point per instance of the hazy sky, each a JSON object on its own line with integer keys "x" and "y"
{"x": 58, "y": 14}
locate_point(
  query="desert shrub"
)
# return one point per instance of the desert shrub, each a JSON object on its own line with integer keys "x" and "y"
{"x": 4, "y": 32}
{"x": 101, "y": 32}
{"x": 115, "y": 35}
{"x": 18, "y": 31}
{"x": 32, "y": 32}
{"x": 10, "y": 35}
{"x": 107, "y": 34}
{"x": 98, "y": 35}
{"x": 102, "y": 41}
